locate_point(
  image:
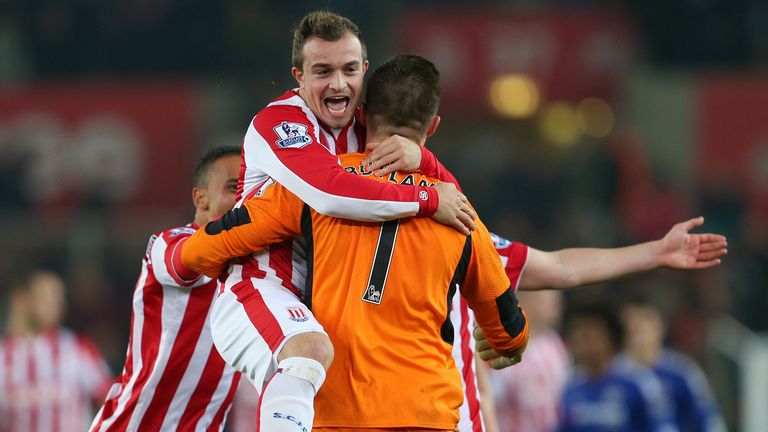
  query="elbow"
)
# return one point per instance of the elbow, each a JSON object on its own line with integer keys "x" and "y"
{"x": 569, "y": 278}
{"x": 191, "y": 259}
{"x": 324, "y": 207}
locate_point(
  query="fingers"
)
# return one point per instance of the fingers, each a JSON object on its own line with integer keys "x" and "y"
{"x": 707, "y": 256}
{"x": 487, "y": 354}
{"x": 706, "y": 246}
{"x": 477, "y": 333}
{"x": 711, "y": 239}
{"x": 693, "y": 223}
{"x": 459, "y": 226}
{"x": 466, "y": 209}
{"x": 706, "y": 264}
{"x": 376, "y": 152}
{"x": 505, "y": 362}
{"x": 466, "y": 220}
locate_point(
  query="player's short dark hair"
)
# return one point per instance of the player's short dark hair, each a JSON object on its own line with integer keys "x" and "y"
{"x": 325, "y": 25}
{"x": 605, "y": 315}
{"x": 403, "y": 92}
{"x": 211, "y": 156}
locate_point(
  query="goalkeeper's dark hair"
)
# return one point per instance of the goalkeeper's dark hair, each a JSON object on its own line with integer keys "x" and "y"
{"x": 403, "y": 92}
{"x": 211, "y": 156}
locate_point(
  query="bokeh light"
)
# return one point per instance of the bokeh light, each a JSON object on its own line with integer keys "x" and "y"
{"x": 559, "y": 124}
{"x": 595, "y": 117}
{"x": 514, "y": 96}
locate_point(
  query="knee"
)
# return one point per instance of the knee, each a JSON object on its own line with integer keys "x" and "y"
{"x": 316, "y": 346}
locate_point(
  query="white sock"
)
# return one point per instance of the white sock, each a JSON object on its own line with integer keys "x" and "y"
{"x": 287, "y": 402}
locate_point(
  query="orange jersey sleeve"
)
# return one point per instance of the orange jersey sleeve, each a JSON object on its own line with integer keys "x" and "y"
{"x": 488, "y": 292}
{"x": 273, "y": 215}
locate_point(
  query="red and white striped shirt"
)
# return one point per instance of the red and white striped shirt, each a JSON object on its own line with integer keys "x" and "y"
{"x": 286, "y": 143}
{"x": 173, "y": 379}
{"x": 528, "y": 395}
{"x": 49, "y": 382}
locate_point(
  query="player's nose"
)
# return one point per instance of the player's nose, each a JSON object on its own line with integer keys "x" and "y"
{"x": 337, "y": 81}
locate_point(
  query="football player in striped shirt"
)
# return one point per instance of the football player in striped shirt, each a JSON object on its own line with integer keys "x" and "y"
{"x": 50, "y": 378}
{"x": 174, "y": 379}
{"x": 295, "y": 140}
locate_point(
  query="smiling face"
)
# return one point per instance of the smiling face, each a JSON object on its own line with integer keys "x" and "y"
{"x": 331, "y": 78}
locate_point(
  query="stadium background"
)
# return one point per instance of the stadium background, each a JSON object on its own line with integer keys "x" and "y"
{"x": 568, "y": 123}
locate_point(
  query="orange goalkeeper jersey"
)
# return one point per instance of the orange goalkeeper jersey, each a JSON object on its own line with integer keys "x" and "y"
{"x": 382, "y": 291}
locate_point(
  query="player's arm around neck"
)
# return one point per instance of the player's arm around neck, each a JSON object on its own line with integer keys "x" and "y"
{"x": 261, "y": 221}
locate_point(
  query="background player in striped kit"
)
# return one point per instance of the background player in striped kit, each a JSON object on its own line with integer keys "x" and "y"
{"x": 50, "y": 378}
{"x": 174, "y": 379}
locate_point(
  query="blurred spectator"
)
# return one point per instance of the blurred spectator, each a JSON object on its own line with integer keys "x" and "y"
{"x": 693, "y": 406}
{"x": 49, "y": 377}
{"x": 607, "y": 392}
{"x": 527, "y": 395}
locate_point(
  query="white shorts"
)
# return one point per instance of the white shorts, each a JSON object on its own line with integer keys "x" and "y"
{"x": 250, "y": 321}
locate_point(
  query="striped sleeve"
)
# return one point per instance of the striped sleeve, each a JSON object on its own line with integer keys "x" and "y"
{"x": 272, "y": 216}
{"x": 490, "y": 296}
{"x": 284, "y": 143}
{"x": 514, "y": 257}
{"x": 165, "y": 256}
{"x": 431, "y": 167}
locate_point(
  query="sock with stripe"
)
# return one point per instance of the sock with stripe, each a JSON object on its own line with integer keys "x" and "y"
{"x": 286, "y": 404}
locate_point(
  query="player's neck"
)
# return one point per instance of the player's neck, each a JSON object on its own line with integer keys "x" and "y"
{"x": 597, "y": 366}
{"x": 201, "y": 218}
{"x": 644, "y": 355}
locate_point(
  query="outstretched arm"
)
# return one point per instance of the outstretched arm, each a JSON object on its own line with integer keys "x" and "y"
{"x": 678, "y": 249}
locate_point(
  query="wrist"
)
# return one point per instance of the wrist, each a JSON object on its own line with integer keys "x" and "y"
{"x": 428, "y": 161}
{"x": 428, "y": 199}
{"x": 657, "y": 253}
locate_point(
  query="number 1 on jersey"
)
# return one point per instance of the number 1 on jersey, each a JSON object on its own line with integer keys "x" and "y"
{"x": 381, "y": 261}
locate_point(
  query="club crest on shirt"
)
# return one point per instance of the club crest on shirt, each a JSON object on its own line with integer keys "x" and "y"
{"x": 183, "y": 230}
{"x": 292, "y": 135}
{"x": 296, "y": 313}
{"x": 500, "y": 242}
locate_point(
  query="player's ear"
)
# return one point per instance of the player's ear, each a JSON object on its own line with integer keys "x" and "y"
{"x": 365, "y": 66}
{"x": 433, "y": 125}
{"x": 200, "y": 198}
{"x": 298, "y": 75}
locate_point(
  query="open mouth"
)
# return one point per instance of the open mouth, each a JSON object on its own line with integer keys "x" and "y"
{"x": 337, "y": 105}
